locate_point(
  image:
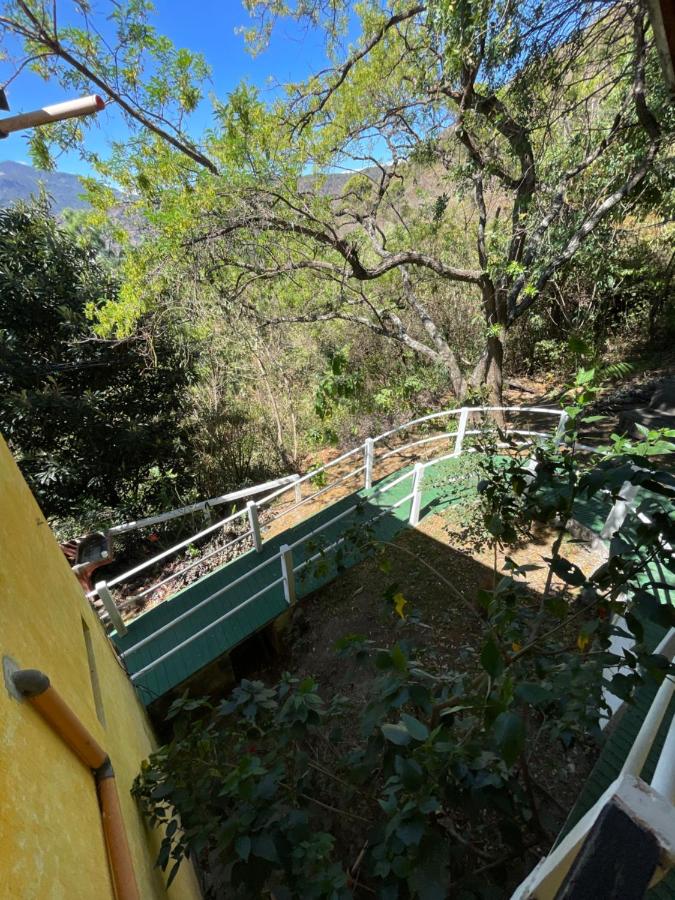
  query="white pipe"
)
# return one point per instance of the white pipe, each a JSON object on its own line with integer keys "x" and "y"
{"x": 195, "y": 537}
{"x": 341, "y": 540}
{"x": 203, "y": 505}
{"x": 435, "y": 437}
{"x": 71, "y": 109}
{"x": 664, "y": 774}
{"x": 188, "y": 612}
{"x": 190, "y": 566}
{"x": 323, "y": 527}
{"x": 638, "y": 753}
{"x": 293, "y": 482}
{"x": 198, "y": 634}
{"x": 310, "y": 497}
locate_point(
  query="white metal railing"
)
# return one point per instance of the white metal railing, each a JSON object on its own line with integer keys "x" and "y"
{"x": 251, "y": 514}
{"x": 204, "y": 506}
{"x": 649, "y": 804}
{"x": 288, "y": 571}
{"x": 285, "y": 554}
{"x": 652, "y": 804}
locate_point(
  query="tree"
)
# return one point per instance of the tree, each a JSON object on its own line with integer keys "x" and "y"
{"x": 478, "y": 92}
{"x": 87, "y": 418}
{"x": 552, "y": 114}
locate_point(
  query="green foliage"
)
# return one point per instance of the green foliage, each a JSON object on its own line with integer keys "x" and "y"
{"x": 338, "y": 386}
{"x": 87, "y": 419}
{"x": 411, "y": 789}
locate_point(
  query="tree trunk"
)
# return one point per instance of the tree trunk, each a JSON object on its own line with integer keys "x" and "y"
{"x": 494, "y": 376}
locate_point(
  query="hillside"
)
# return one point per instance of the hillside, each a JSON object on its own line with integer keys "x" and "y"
{"x": 19, "y": 182}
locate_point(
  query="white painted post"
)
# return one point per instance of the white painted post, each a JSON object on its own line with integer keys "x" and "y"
{"x": 207, "y": 512}
{"x": 298, "y": 488}
{"x": 560, "y": 430}
{"x": 641, "y": 746}
{"x": 110, "y": 607}
{"x": 416, "y": 502}
{"x": 288, "y": 573}
{"x": 461, "y": 431}
{"x": 619, "y": 511}
{"x": 369, "y": 453}
{"x": 254, "y": 522}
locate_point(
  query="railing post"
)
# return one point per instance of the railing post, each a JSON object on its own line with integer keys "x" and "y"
{"x": 298, "y": 488}
{"x": 288, "y": 573}
{"x": 207, "y": 512}
{"x": 254, "y": 522}
{"x": 461, "y": 431}
{"x": 416, "y": 502}
{"x": 560, "y": 430}
{"x": 110, "y": 607}
{"x": 369, "y": 453}
{"x": 619, "y": 511}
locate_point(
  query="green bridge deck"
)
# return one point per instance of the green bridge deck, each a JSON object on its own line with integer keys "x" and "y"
{"x": 222, "y": 638}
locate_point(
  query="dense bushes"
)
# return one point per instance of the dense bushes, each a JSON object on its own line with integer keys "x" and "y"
{"x": 93, "y": 423}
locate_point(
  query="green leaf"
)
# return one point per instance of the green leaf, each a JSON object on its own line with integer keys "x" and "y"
{"x": 398, "y": 659}
{"x": 397, "y": 734}
{"x": 410, "y": 833}
{"x": 532, "y": 693}
{"x": 509, "y": 734}
{"x": 243, "y": 846}
{"x": 410, "y": 773}
{"x": 491, "y": 658}
{"x": 568, "y": 571}
{"x": 417, "y": 729}
{"x": 263, "y": 847}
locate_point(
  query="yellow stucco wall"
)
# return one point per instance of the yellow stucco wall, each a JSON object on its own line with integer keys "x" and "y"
{"x": 51, "y": 842}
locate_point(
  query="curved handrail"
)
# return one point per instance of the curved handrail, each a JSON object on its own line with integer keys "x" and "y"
{"x": 284, "y": 555}
{"x": 295, "y": 483}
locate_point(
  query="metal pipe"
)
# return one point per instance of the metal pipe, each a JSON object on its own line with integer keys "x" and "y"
{"x": 193, "y": 609}
{"x": 71, "y": 109}
{"x": 663, "y": 780}
{"x": 35, "y": 687}
{"x": 203, "y": 505}
{"x": 638, "y": 753}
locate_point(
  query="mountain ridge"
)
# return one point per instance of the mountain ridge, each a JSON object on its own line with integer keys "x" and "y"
{"x": 19, "y": 181}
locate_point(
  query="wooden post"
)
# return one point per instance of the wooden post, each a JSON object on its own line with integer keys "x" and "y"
{"x": 461, "y": 431}
{"x": 110, "y": 607}
{"x": 298, "y": 488}
{"x": 288, "y": 573}
{"x": 254, "y": 522}
{"x": 416, "y": 502}
{"x": 369, "y": 454}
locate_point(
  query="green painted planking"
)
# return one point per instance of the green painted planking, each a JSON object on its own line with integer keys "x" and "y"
{"x": 222, "y": 638}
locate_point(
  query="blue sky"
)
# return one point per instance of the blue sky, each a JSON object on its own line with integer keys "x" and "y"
{"x": 207, "y": 26}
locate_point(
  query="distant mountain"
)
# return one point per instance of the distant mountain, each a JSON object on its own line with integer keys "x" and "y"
{"x": 20, "y": 182}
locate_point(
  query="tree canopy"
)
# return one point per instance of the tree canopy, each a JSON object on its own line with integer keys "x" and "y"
{"x": 527, "y": 124}
{"x": 87, "y": 418}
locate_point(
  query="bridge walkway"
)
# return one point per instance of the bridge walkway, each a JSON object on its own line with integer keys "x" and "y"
{"x": 172, "y": 641}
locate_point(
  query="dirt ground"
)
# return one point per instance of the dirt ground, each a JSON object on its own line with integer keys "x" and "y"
{"x": 441, "y": 628}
